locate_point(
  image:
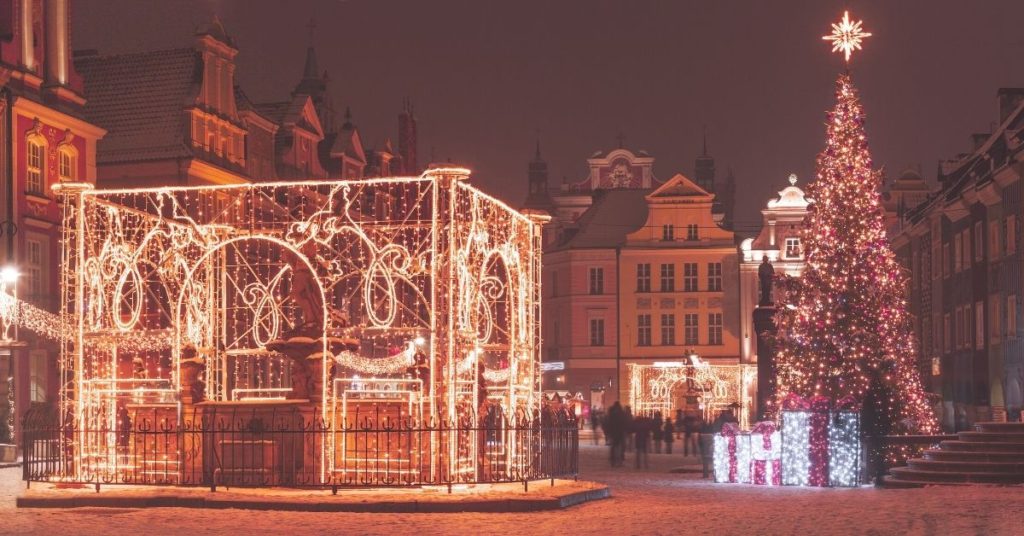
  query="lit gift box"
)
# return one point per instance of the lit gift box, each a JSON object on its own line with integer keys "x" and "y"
{"x": 844, "y": 444}
{"x": 805, "y": 433}
{"x": 732, "y": 455}
{"x": 766, "y": 454}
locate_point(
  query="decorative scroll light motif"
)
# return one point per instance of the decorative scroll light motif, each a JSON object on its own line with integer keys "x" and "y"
{"x": 846, "y": 36}
{"x": 387, "y": 279}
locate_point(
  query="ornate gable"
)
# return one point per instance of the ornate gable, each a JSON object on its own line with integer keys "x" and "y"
{"x": 680, "y": 189}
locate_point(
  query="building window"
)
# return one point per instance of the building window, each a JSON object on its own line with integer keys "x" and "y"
{"x": 968, "y": 331}
{"x": 668, "y": 278}
{"x": 978, "y": 241}
{"x": 35, "y": 176}
{"x": 994, "y": 318}
{"x": 1011, "y": 234}
{"x": 668, "y": 232}
{"x": 643, "y": 277}
{"x": 597, "y": 332}
{"x": 690, "y": 277}
{"x": 993, "y": 240}
{"x": 715, "y": 276}
{"x": 946, "y": 333}
{"x": 690, "y": 329}
{"x": 643, "y": 330}
{"x": 1011, "y": 316}
{"x": 668, "y": 330}
{"x": 715, "y": 328}
{"x": 958, "y": 331}
{"x": 958, "y": 252}
{"x": 34, "y": 267}
{"x": 597, "y": 280}
{"x": 691, "y": 232}
{"x": 945, "y": 260}
{"x": 966, "y": 263}
{"x": 67, "y": 164}
{"x": 979, "y": 325}
{"x": 37, "y": 365}
{"x": 793, "y": 248}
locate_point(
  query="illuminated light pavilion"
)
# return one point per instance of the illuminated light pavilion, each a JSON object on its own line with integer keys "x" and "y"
{"x": 368, "y": 332}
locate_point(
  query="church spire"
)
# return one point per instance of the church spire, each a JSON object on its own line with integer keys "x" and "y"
{"x": 704, "y": 167}
{"x": 311, "y": 70}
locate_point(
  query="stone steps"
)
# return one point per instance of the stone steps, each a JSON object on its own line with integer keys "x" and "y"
{"x": 978, "y": 446}
{"x": 1011, "y": 427}
{"x": 1015, "y": 468}
{"x": 945, "y": 477}
{"x": 991, "y": 454}
{"x": 972, "y": 456}
{"x": 992, "y": 437}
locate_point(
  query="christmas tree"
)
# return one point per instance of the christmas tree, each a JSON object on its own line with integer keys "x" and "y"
{"x": 846, "y": 330}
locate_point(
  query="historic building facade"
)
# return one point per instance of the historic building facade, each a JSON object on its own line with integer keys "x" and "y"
{"x": 178, "y": 117}
{"x": 636, "y": 271}
{"x": 617, "y": 169}
{"x": 46, "y": 140}
{"x": 962, "y": 249}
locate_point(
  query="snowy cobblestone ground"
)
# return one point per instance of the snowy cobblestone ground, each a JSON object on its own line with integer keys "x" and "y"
{"x": 647, "y": 502}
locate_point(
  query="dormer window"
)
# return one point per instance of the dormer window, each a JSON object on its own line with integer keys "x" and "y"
{"x": 793, "y": 250}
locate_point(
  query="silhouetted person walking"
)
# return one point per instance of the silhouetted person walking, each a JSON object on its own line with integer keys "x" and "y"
{"x": 669, "y": 435}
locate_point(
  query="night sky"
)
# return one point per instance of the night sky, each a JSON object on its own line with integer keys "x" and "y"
{"x": 486, "y": 76}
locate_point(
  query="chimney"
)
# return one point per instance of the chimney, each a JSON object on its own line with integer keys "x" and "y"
{"x": 1009, "y": 98}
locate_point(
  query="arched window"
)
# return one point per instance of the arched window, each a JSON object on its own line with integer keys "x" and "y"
{"x": 68, "y": 163}
{"x": 35, "y": 167}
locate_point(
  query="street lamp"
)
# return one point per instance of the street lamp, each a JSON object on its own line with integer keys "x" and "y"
{"x": 9, "y": 304}
{"x": 8, "y": 275}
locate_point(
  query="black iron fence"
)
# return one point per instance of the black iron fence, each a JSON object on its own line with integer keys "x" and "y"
{"x": 269, "y": 445}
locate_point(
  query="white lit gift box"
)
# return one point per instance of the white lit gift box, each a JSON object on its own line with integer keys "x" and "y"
{"x": 732, "y": 455}
{"x": 820, "y": 444}
{"x": 844, "y": 445}
{"x": 805, "y": 441}
{"x": 766, "y": 454}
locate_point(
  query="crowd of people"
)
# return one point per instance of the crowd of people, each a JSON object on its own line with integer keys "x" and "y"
{"x": 642, "y": 434}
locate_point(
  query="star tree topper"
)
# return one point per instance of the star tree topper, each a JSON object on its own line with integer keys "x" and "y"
{"x": 847, "y": 36}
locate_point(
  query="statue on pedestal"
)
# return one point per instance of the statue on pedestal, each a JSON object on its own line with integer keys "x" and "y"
{"x": 766, "y": 274}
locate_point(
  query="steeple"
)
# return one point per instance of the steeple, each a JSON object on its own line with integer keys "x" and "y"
{"x": 311, "y": 71}
{"x": 347, "y": 125}
{"x": 704, "y": 168}
{"x": 537, "y": 177}
{"x": 314, "y": 83}
{"x": 407, "y": 142}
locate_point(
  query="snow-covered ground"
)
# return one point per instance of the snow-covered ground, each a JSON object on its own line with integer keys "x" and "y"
{"x": 647, "y": 502}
